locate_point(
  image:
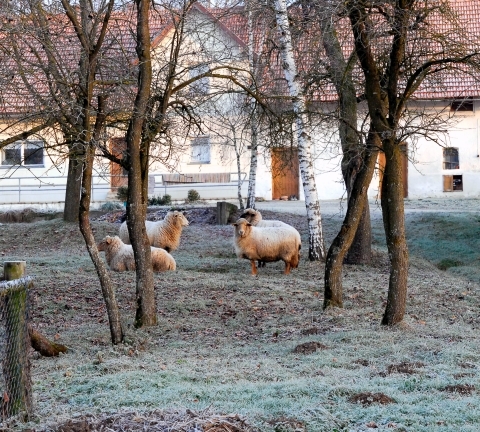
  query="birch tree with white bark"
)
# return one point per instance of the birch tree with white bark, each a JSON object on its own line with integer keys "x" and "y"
{"x": 252, "y": 178}
{"x": 316, "y": 241}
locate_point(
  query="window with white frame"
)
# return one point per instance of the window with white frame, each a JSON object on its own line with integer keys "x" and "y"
{"x": 26, "y": 153}
{"x": 200, "y": 149}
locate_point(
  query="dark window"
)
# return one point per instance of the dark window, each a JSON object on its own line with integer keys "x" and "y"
{"x": 12, "y": 155}
{"x": 450, "y": 158}
{"x": 457, "y": 183}
{"x": 33, "y": 153}
{"x": 462, "y": 105}
{"x": 23, "y": 153}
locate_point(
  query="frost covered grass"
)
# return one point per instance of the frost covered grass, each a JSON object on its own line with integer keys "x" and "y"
{"x": 229, "y": 342}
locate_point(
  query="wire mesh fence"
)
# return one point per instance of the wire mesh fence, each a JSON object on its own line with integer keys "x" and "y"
{"x": 15, "y": 379}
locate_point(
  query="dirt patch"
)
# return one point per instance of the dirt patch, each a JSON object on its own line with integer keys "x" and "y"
{"x": 362, "y": 362}
{"x": 467, "y": 365}
{"x": 463, "y": 375}
{"x": 287, "y": 424}
{"x": 158, "y": 421}
{"x": 371, "y": 398}
{"x": 403, "y": 368}
{"x": 309, "y": 347}
{"x": 463, "y": 389}
{"x": 311, "y": 331}
{"x": 195, "y": 215}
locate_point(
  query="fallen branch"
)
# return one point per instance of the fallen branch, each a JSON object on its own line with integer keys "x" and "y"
{"x": 45, "y": 347}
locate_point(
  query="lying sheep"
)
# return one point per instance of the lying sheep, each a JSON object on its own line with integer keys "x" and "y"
{"x": 266, "y": 244}
{"x": 119, "y": 256}
{"x": 255, "y": 218}
{"x": 163, "y": 234}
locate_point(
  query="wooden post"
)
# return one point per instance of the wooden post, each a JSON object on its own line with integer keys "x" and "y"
{"x": 17, "y": 395}
{"x": 14, "y": 270}
{"x": 224, "y": 210}
{"x": 222, "y": 213}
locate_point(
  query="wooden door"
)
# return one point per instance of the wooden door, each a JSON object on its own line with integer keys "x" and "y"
{"x": 118, "y": 176}
{"x": 285, "y": 173}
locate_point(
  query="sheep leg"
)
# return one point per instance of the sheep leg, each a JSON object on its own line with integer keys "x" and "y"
{"x": 254, "y": 267}
{"x": 287, "y": 267}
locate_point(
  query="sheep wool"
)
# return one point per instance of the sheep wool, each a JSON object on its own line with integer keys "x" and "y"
{"x": 163, "y": 234}
{"x": 119, "y": 256}
{"x": 255, "y": 218}
{"x": 266, "y": 244}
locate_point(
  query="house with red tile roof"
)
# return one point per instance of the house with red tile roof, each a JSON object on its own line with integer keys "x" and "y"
{"x": 443, "y": 164}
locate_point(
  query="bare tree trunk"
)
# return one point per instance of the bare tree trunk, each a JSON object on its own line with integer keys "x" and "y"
{"x": 108, "y": 290}
{"x": 239, "y": 171}
{"x": 74, "y": 184}
{"x": 340, "y": 245}
{"x": 252, "y": 177}
{"x": 316, "y": 242}
{"x": 86, "y": 140}
{"x": 138, "y": 152}
{"x": 360, "y": 251}
{"x": 394, "y": 223}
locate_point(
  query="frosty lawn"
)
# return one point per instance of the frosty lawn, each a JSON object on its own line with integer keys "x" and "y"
{"x": 226, "y": 340}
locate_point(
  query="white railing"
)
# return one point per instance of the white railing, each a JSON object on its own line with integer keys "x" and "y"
{"x": 51, "y": 189}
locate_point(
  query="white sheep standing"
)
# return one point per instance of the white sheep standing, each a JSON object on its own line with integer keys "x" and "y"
{"x": 163, "y": 234}
{"x": 119, "y": 256}
{"x": 255, "y": 218}
{"x": 266, "y": 244}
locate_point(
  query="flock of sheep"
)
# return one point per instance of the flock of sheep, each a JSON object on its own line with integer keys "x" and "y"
{"x": 255, "y": 239}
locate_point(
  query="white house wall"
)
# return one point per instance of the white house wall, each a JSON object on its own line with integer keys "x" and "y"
{"x": 425, "y": 172}
{"x": 45, "y": 184}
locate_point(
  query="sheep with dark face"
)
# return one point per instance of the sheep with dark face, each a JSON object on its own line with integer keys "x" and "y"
{"x": 255, "y": 218}
{"x": 163, "y": 234}
{"x": 119, "y": 256}
{"x": 266, "y": 244}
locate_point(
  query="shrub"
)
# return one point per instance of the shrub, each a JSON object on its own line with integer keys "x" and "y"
{"x": 111, "y": 206}
{"x": 122, "y": 193}
{"x": 25, "y": 215}
{"x": 193, "y": 195}
{"x": 446, "y": 263}
{"x": 165, "y": 200}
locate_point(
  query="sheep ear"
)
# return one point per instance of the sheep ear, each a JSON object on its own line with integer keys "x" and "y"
{"x": 234, "y": 224}
{"x": 108, "y": 240}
